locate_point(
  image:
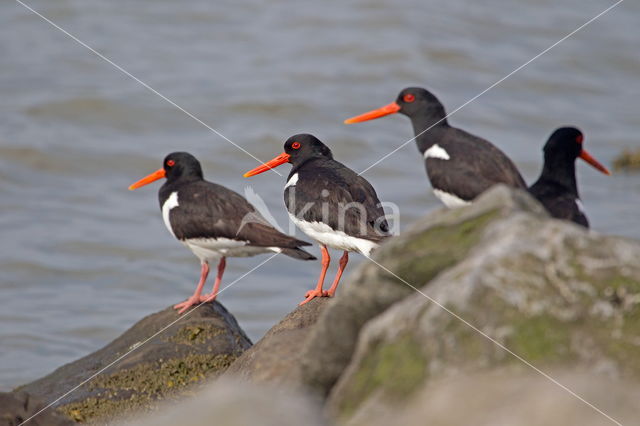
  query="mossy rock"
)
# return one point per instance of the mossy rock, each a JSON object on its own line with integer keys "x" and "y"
{"x": 431, "y": 246}
{"x": 628, "y": 161}
{"x": 170, "y": 365}
{"x": 561, "y": 297}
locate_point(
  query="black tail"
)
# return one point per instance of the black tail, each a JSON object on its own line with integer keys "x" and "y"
{"x": 298, "y": 253}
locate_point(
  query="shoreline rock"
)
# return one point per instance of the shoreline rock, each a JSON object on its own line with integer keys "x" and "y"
{"x": 276, "y": 358}
{"x": 564, "y": 298}
{"x": 627, "y": 161}
{"x": 199, "y": 346}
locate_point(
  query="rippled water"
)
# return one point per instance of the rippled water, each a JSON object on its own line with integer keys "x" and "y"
{"x": 83, "y": 258}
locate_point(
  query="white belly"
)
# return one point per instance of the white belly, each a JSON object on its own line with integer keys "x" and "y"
{"x": 210, "y": 249}
{"x": 450, "y": 200}
{"x": 323, "y": 234}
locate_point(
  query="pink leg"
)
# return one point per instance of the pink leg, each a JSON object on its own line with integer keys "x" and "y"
{"x": 216, "y": 286}
{"x": 343, "y": 263}
{"x": 204, "y": 272}
{"x": 317, "y": 292}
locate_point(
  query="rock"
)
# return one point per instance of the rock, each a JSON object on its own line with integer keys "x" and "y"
{"x": 276, "y": 358}
{"x": 555, "y": 294}
{"x": 201, "y": 344}
{"x": 508, "y": 398}
{"x": 16, "y": 407}
{"x": 432, "y": 245}
{"x": 239, "y": 403}
{"x": 628, "y": 161}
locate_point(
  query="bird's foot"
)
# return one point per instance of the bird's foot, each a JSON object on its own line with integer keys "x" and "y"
{"x": 312, "y": 294}
{"x": 187, "y": 304}
{"x": 208, "y": 297}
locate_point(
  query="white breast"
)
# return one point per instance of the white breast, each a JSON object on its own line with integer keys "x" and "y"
{"x": 292, "y": 181}
{"x": 436, "y": 151}
{"x": 329, "y": 237}
{"x": 450, "y": 200}
{"x": 171, "y": 203}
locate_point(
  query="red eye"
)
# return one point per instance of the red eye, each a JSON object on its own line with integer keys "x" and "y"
{"x": 295, "y": 145}
{"x": 409, "y": 98}
{"x": 171, "y": 163}
{"x": 580, "y": 138}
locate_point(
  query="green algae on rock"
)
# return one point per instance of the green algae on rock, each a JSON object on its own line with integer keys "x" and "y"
{"x": 628, "y": 161}
{"x": 432, "y": 245}
{"x": 174, "y": 363}
{"x": 561, "y": 297}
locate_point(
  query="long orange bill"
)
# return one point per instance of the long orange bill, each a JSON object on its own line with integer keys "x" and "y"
{"x": 595, "y": 163}
{"x": 158, "y": 174}
{"x": 376, "y": 113}
{"x": 280, "y": 159}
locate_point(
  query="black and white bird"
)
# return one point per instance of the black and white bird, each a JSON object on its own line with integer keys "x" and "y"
{"x": 557, "y": 188}
{"x": 460, "y": 165}
{"x": 213, "y": 222}
{"x": 330, "y": 203}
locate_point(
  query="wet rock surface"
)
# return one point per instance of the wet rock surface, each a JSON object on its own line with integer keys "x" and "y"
{"x": 199, "y": 345}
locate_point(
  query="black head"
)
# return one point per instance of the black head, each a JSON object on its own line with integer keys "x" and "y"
{"x": 304, "y": 146}
{"x": 564, "y": 146}
{"x": 565, "y": 142}
{"x": 177, "y": 165}
{"x": 419, "y": 102}
{"x": 181, "y": 164}
{"x": 297, "y": 150}
{"x": 414, "y": 102}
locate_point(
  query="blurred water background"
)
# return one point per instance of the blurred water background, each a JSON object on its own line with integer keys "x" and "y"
{"x": 82, "y": 258}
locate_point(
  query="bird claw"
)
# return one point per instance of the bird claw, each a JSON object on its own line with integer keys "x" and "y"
{"x": 312, "y": 294}
{"x": 208, "y": 298}
{"x": 183, "y": 306}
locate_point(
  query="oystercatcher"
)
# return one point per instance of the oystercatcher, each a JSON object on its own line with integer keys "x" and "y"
{"x": 213, "y": 222}
{"x": 330, "y": 203}
{"x": 556, "y": 188}
{"x": 460, "y": 165}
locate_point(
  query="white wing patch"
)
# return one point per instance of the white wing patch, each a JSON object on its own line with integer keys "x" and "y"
{"x": 580, "y": 206}
{"x": 292, "y": 181}
{"x": 171, "y": 203}
{"x": 436, "y": 151}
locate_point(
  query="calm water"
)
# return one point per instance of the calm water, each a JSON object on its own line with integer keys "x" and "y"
{"x": 82, "y": 258}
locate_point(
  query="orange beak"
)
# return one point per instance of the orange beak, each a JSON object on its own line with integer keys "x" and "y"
{"x": 376, "y": 113}
{"x": 595, "y": 163}
{"x": 280, "y": 159}
{"x": 158, "y": 174}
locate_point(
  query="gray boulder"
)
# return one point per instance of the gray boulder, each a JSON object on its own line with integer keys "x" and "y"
{"x": 505, "y": 397}
{"x": 432, "y": 245}
{"x": 229, "y": 402}
{"x": 277, "y": 357}
{"x": 199, "y": 345}
{"x": 553, "y": 293}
